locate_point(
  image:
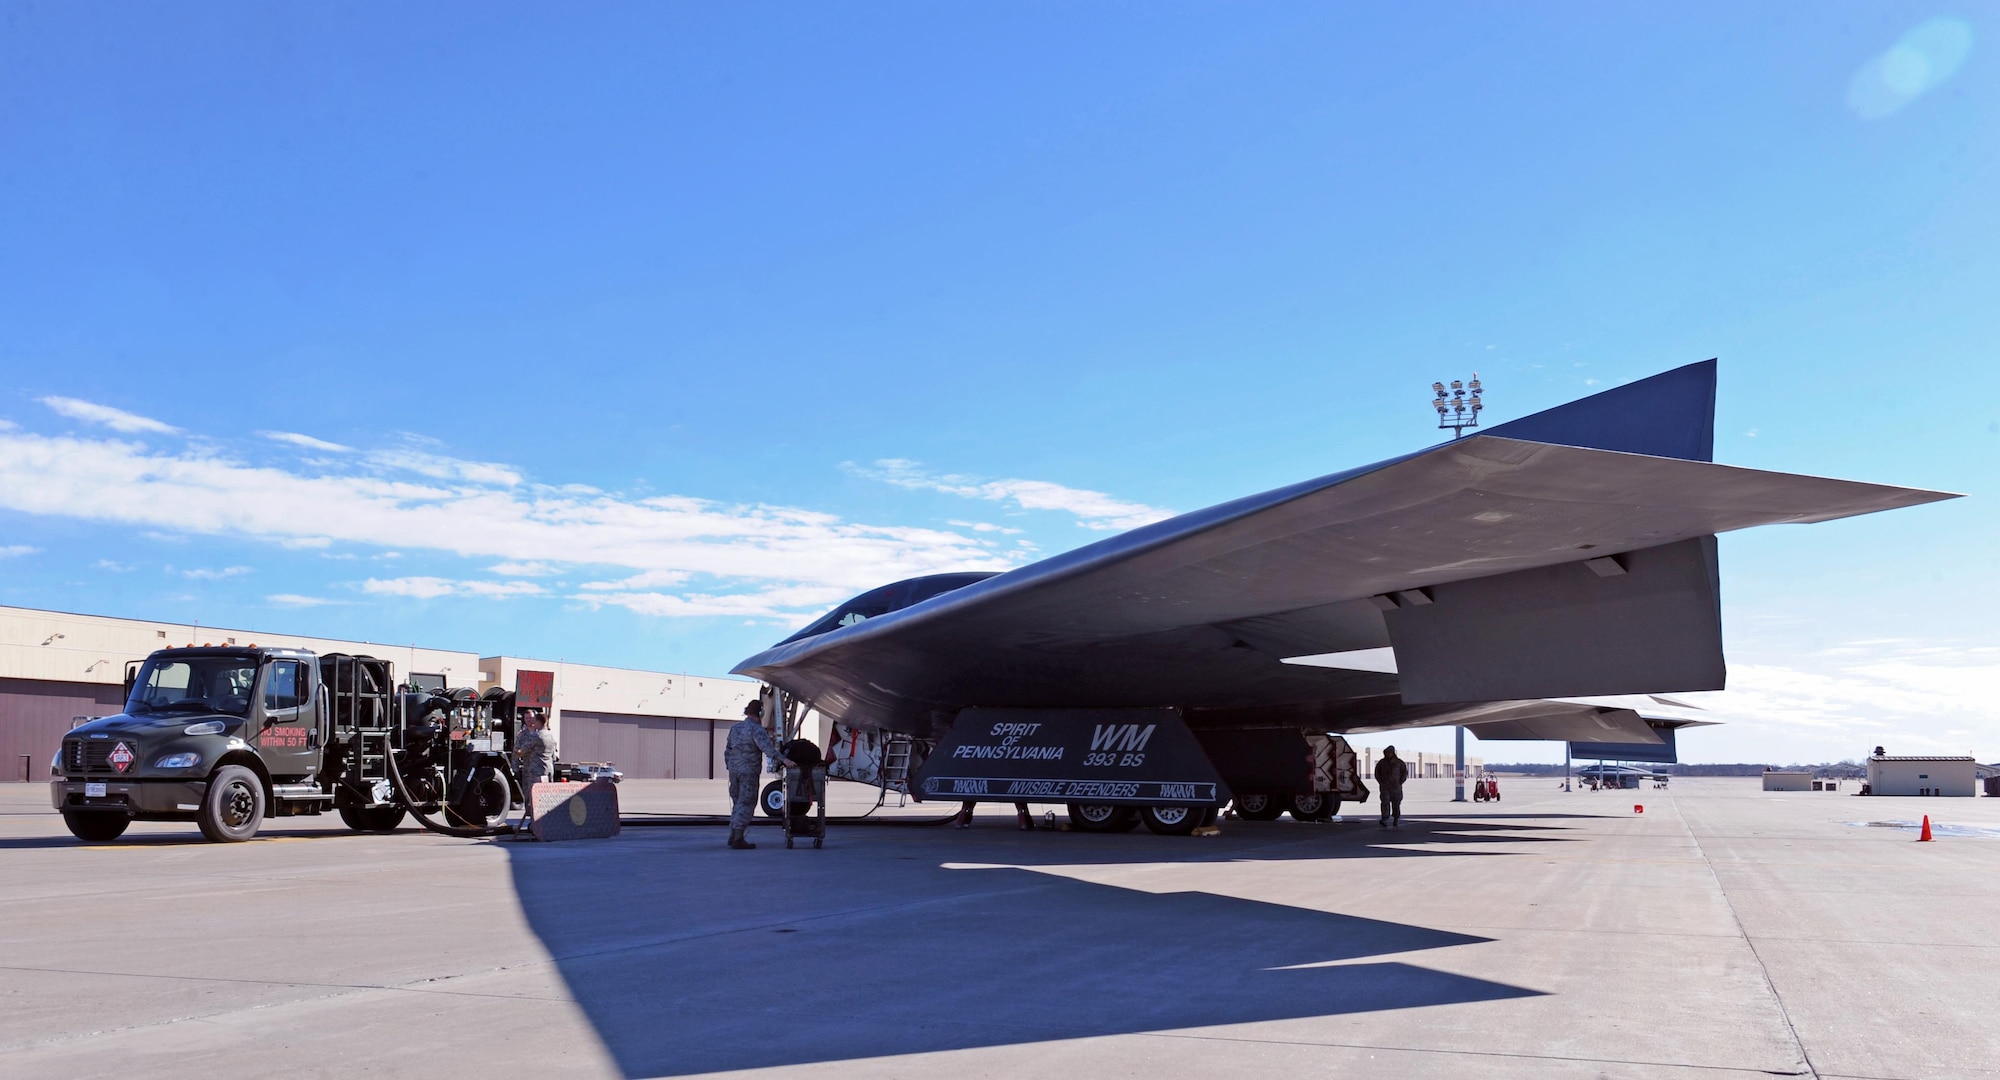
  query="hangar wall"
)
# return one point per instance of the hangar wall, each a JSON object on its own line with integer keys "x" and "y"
{"x": 57, "y": 666}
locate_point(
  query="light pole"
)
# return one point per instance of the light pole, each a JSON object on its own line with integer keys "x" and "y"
{"x": 1458, "y": 409}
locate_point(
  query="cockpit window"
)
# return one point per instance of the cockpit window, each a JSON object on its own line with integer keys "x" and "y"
{"x": 888, "y": 598}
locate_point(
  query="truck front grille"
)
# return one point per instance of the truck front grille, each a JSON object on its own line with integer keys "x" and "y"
{"x": 90, "y": 755}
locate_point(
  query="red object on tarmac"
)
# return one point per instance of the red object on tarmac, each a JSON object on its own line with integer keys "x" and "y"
{"x": 1638, "y": 808}
{"x": 1927, "y": 830}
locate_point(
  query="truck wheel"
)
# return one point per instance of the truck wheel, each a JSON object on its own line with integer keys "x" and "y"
{"x": 95, "y": 826}
{"x": 372, "y": 818}
{"x": 772, "y": 799}
{"x": 485, "y": 802}
{"x": 1171, "y": 820}
{"x": 1258, "y": 808}
{"x": 1308, "y": 807}
{"x": 1101, "y": 817}
{"x": 234, "y": 806}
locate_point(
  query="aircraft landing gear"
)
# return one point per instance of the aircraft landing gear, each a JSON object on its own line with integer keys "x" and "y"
{"x": 1173, "y": 820}
{"x": 1312, "y": 806}
{"x": 1101, "y": 817}
{"x": 1258, "y": 807}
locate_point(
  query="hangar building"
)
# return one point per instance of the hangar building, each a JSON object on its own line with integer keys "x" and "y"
{"x": 1951, "y": 776}
{"x": 56, "y": 667}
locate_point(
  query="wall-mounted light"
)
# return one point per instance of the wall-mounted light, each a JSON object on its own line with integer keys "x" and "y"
{"x": 94, "y": 665}
{"x": 53, "y": 638}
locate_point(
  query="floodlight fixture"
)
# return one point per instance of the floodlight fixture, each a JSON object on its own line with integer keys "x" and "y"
{"x": 1459, "y": 407}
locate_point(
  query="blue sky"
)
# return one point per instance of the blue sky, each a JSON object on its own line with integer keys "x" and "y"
{"x": 639, "y": 334}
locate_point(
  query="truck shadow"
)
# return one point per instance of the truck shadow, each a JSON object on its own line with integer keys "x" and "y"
{"x": 687, "y": 958}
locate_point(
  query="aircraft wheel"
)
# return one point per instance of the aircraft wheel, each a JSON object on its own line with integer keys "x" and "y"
{"x": 1258, "y": 807}
{"x": 95, "y": 826}
{"x": 1171, "y": 820}
{"x": 1308, "y": 807}
{"x": 1100, "y": 817}
{"x": 772, "y": 799}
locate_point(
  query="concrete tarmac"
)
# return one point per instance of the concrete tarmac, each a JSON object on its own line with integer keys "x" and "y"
{"x": 1724, "y": 932}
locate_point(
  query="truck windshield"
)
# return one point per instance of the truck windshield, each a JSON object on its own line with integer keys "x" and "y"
{"x": 193, "y": 684}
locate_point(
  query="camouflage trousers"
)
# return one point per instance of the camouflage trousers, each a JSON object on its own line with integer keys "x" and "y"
{"x": 742, "y": 798}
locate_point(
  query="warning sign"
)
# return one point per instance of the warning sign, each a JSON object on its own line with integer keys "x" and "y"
{"x": 121, "y": 757}
{"x": 534, "y": 689}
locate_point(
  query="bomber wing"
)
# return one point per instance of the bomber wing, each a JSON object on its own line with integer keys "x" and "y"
{"x": 1569, "y": 553}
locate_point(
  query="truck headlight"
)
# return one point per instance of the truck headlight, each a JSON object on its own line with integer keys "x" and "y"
{"x": 206, "y": 727}
{"x": 55, "y": 764}
{"x": 178, "y": 761}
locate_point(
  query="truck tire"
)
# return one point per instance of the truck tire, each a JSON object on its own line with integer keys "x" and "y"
{"x": 1308, "y": 807}
{"x": 96, "y": 826}
{"x": 1101, "y": 817}
{"x": 372, "y": 818}
{"x": 772, "y": 799}
{"x": 1258, "y": 807}
{"x": 234, "y": 806}
{"x": 1171, "y": 820}
{"x": 485, "y": 802}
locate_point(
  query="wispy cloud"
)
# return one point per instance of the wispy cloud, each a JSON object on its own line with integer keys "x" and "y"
{"x": 430, "y": 588}
{"x": 15, "y": 551}
{"x": 523, "y": 569}
{"x": 1092, "y": 509}
{"x": 204, "y": 574}
{"x": 796, "y": 604}
{"x": 440, "y": 467}
{"x": 698, "y": 552}
{"x": 295, "y": 600}
{"x": 116, "y": 419}
{"x": 114, "y": 567}
{"x": 983, "y": 527}
{"x": 307, "y": 441}
{"x": 1912, "y": 696}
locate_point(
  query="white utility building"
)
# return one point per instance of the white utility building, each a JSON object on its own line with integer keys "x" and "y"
{"x": 1948, "y": 776}
{"x": 1788, "y": 779}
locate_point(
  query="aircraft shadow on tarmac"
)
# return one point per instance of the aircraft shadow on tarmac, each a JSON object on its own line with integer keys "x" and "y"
{"x": 690, "y": 959}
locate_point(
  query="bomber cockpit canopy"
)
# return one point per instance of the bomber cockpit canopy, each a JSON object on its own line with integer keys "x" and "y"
{"x": 886, "y": 599}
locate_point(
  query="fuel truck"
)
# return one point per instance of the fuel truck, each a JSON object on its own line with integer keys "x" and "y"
{"x": 227, "y": 737}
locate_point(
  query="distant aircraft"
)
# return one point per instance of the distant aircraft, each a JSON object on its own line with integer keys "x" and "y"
{"x": 1567, "y": 554}
{"x": 1604, "y": 775}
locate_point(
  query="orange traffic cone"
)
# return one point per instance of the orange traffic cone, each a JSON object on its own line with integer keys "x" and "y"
{"x": 1927, "y": 830}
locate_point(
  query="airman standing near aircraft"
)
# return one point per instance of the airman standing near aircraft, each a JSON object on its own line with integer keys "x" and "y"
{"x": 534, "y": 749}
{"x": 1390, "y": 772}
{"x": 748, "y": 747}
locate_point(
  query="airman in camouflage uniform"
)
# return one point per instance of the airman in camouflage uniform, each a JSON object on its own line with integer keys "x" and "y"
{"x": 748, "y": 742}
